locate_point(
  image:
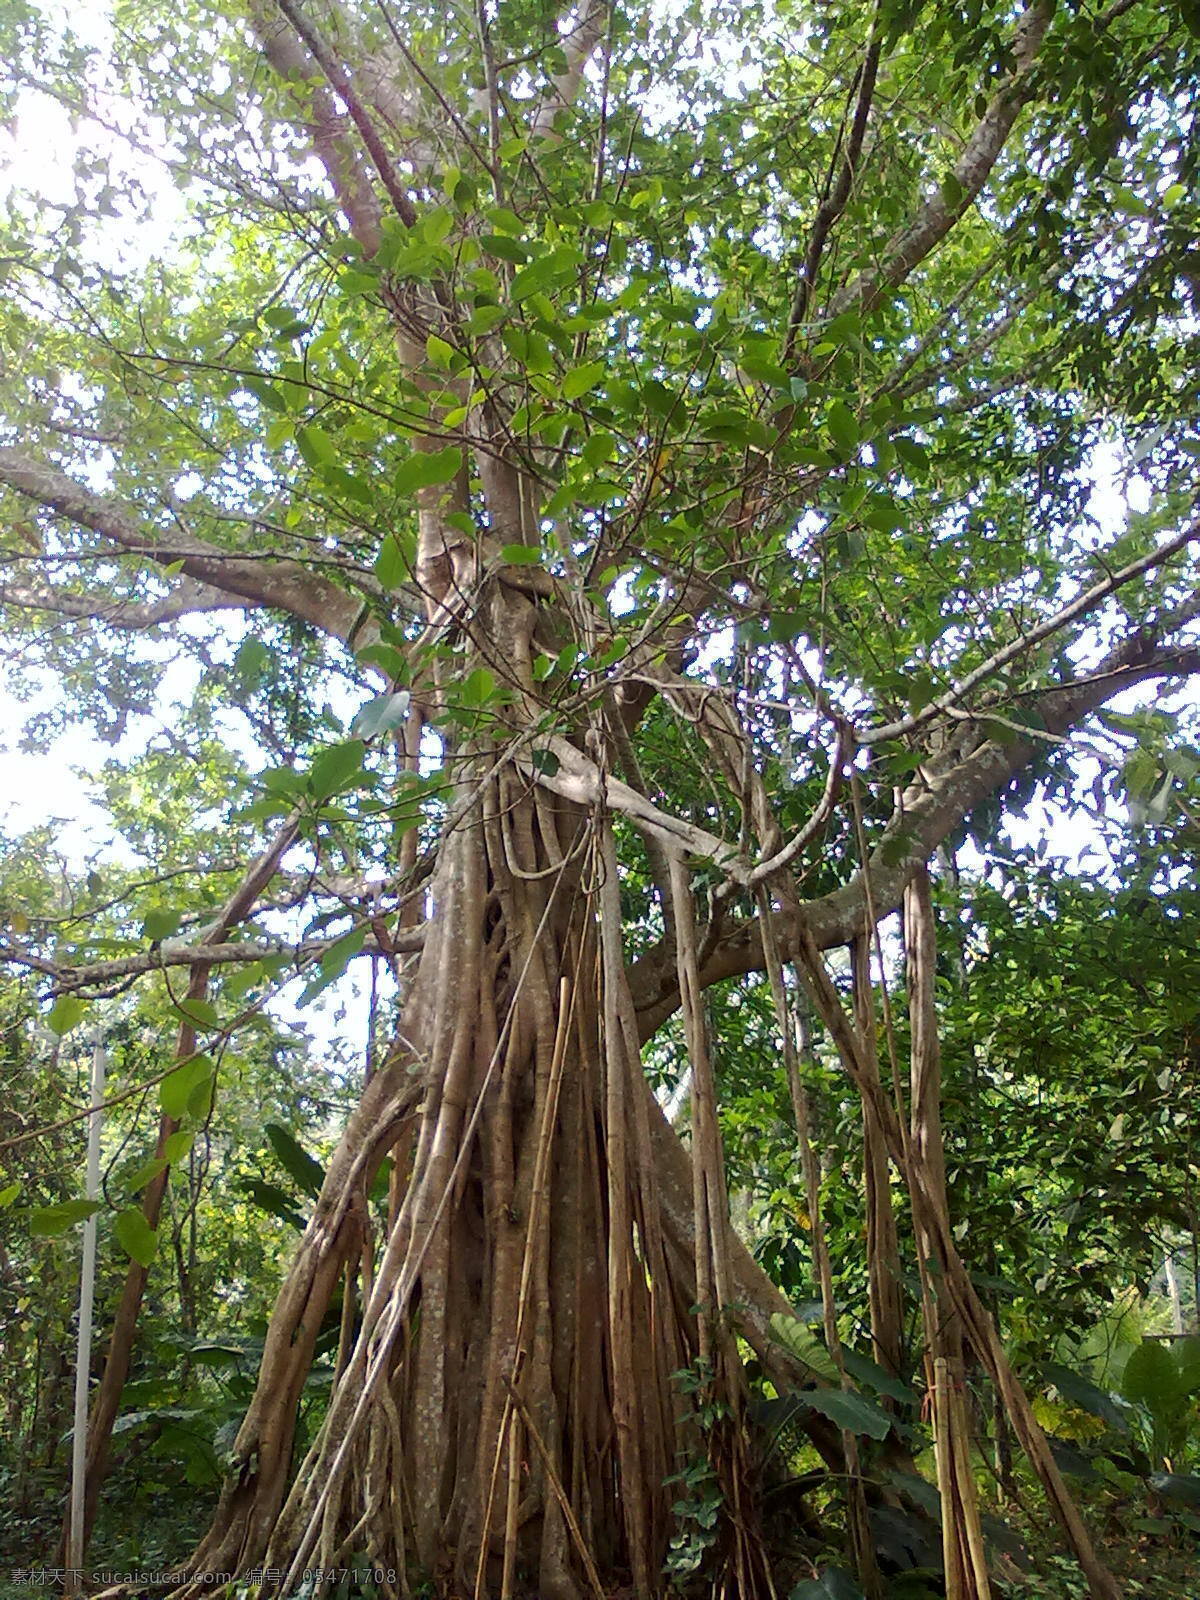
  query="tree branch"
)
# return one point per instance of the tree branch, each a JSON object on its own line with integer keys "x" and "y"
{"x": 100, "y": 974}
{"x": 942, "y": 797}
{"x": 578, "y": 44}
{"x": 908, "y": 247}
{"x": 325, "y": 126}
{"x": 187, "y": 599}
{"x": 1087, "y": 601}
{"x": 339, "y": 81}
{"x": 281, "y": 585}
{"x": 834, "y": 203}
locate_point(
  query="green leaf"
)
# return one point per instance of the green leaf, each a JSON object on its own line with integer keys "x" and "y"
{"x": 582, "y": 379}
{"x": 161, "y": 924}
{"x": 386, "y": 657}
{"x": 135, "y": 1236}
{"x": 843, "y": 427}
{"x": 336, "y": 768}
{"x": 784, "y": 626}
{"x": 850, "y": 1411}
{"x": 316, "y": 447}
{"x": 8, "y": 1194}
{"x": 477, "y": 688}
{"x": 557, "y": 266}
{"x": 869, "y": 1373}
{"x": 520, "y": 555}
{"x": 953, "y": 192}
{"x": 295, "y": 1160}
{"x": 1159, "y": 803}
{"x": 175, "y": 1091}
{"x": 803, "y": 1345}
{"x": 66, "y": 1013}
{"x": 497, "y": 244}
{"x": 146, "y": 1173}
{"x": 914, "y": 456}
{"x": 1088, "y": 1396}
{"x": 353, "y": 281}
{"x": 599, "y": 449}
{"x": 47, "y": 1221}
{"x": 159, "y": 1414}
{"x": 211, "y": 1354}
{"x": 251, "y": 659}
{"x": 178, "y": 1144}
{"x": 202, "y": 1013}
{"x": 485, "y": 317}
{"x": 1151, "y": 1378}
{"x": 758, "y": 365}
{"x": 271, "y": 1198}
{"x": 392, "y": 565}
{"x": 382, "y": 714}
{"x": 1183, "y": 1489}
{"x": 423, "y": 469}
{"x": 265, "y": 392}
{"x": 334, "y": 962}
{"x": 439, "y": 352}
{"x": 436, "y": 224}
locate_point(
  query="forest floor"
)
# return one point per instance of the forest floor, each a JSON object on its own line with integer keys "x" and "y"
{"x": 1149, "y": 1566}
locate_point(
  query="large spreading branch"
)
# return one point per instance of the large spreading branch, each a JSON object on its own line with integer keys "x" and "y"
{"x": 340, "y": 81}
{"x": 186, "y": 599}
{"x": 279, "y": 584}
{"x": 102, "y": 974}
{"x": 325, "y": 125}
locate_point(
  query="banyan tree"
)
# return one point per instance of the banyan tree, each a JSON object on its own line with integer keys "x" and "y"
{"x": 673, "y": 431}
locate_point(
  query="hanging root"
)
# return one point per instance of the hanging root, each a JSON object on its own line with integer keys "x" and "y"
{"x": 954, "y": 1313}
{"x": 748, "y": 1567}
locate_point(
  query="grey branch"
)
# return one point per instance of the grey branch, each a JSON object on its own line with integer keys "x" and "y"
{"x": 100, "y": 974}
{"x": 339, "y": 81}
{"x": 281, "y": 585}
{"x": 1083, "y": 603}
{"x": 578, "y": 44}
{"x": 908, "y": 247}
{"x": 188, "y": 598}
{"x": 325, "y": 125}
{"x": 947, "y": 790}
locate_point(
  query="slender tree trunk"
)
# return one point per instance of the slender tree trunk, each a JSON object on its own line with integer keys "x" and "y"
{"x": 106, "y": 1403}
{"x": 963, "y": 1554}
{"x": 883, "y": 1245}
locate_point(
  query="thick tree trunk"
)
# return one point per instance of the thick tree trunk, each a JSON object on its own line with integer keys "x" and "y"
{"x": 506, "y": 1419}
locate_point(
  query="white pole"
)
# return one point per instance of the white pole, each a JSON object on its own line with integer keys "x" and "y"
{"x": 1176, "y": 1297}
{"x": 83, "y": 1349}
